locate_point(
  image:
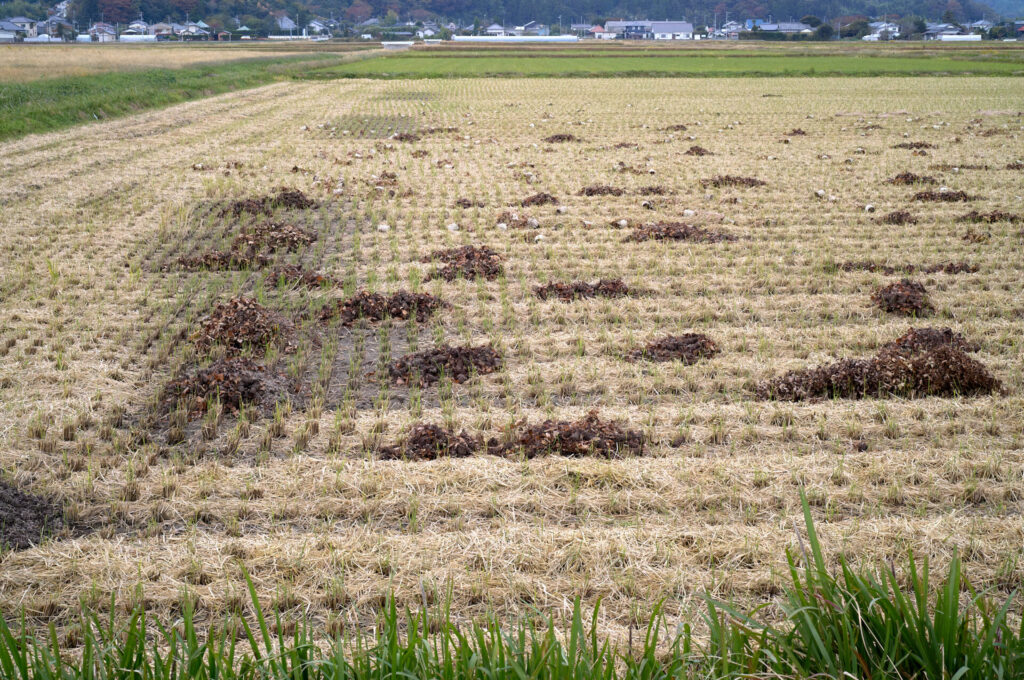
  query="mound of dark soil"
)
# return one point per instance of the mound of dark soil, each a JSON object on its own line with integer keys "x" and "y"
{"x": 991, "y": 217}
{"x": 907, "y": 178}
{"x": 238, "y": 323}
{"x": 539, "y": 199}
{"x": 291, "y": 273}
{"x": 906, "y": 296}
{"x": 678, "y": 127}
{"x": 272, "y": 237}
{"x": 233, "y": 382}
{"x": 732, "y": 181}
{"x": 796, "y": 132}
{"x": 921, "y": 363}
{"x": 458, "y": 363}
{"x": 429, "y": 442}
{"x": 915, "y": 145}
{"x": 678, "y": 231}
{"x": 929, "y": 338}
{"x": 467, "y": 203}
{"x": 939, "y": 267}
{"x": 291, "y": 199}
{"x": 697, "y": 151}
{"x": 688, "y": 348}
{"x": 567, "y": 292}
{"x": 376, "y": 307}
{"x": 561, "y": 137}
{"x": 406, "y": 137}
{"x": 949, "y": 196}
{"x": 25, "y": 519}
{"x": 1016, "y": 165}
{"x": 588, "y": 436}
{"x": 223, "y": 260}
{"x": 466, "y": 261}
{"x": 601, "y": 190}
{"x": 513, "y": 219}
{"x": 653, "y": 190}
{"x": 898, "y": 217}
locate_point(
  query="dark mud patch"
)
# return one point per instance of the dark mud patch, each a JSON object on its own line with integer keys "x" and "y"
{"x": 467, "y": 262}
{"x": 991, "y": 217}
{"x": 377, "y": 307}
{"x": 26, "y": 519}
{"x": 654, "y": 190}
{"x": 678, "y": 231}
{"x": 238, "y": 324}
{"x": 561, "y": 137}
{"x": 284, "y": 199}
{"x": 458, "y": 363}
{"x": 697, "y": 151}
{"x": 1016, "y": 165}
{"x": 467, "y": 203}
{"x": 406, "y": 137}
{"x": 921, "y": 363}
{"x": 688, "y": 348}
{"x": 430, "y": 442}
{"x": 906, "y": 297}
{"x": 678, "y": 127}
{"x": 889, "y": 270}
{"x": 601, "y": 190}
{"x": 511, "y": 218}
{"x": 795, "y": 132}
{"x": 222, "y": 260}
{"x": 732, "y": 181}
{"x": 589, "y": 436}
{"x": 897, "y": 217}
{"x": 947, "y": 196}
{"x": 296, "y": 275}
{"x": 915, "y": 146}
{"x": 577, "y": 290}
{"x": 234, "y": 383}
{"x": 909, "y": 178}
{"x": 538, "y": 199}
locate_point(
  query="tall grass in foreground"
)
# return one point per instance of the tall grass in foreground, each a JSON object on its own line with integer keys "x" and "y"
{"x": 849, "y": 625}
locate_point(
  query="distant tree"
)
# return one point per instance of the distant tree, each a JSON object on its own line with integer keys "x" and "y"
{"x": 824, "y": 32}
{"x": 359, "y": 11}
{"x": 810, "y": 20}
{"x": 857, "y": 29}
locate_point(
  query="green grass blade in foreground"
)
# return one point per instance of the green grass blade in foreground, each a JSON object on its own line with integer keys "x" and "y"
{"x": 851, "y": 624}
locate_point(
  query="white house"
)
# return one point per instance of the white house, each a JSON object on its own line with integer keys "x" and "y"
{"x": 25, "y": 25}
{"x": 285, "y": 23}
{"x": 8, "y": 31}
{"x": 495, "y": 30}
{"x": 672, "y": 30}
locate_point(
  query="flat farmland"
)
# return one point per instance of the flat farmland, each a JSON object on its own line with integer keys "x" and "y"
{"x": 161, "y": 278}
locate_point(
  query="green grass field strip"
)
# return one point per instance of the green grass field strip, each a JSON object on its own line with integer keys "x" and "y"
{"x": 56, "y": 103}
{"x": 425, "y": 65}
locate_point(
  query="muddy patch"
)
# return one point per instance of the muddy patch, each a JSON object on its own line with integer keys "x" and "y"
{"x": 678, "y": 231}
{"x": 697, "y": 151}
{"x": 239, "y": 324}
{"x": 909, "y": 178}
{"x": 897, "y": 217}
{"x": 222, "y": 260}
{"x": 991, "y": 217}
{"x": 589, "y": 436}
{"x": 732, "y": 181}
{"x": 906, "y": 297}
{"x": 26, "y": 519}
{"x": 577, "y": 290}
{"x": 467, "y": 203}
{"x": 601, "y": 190}
{"x": 795, "y": 132}
{"x": 457, "y": 363}
{"x": 467, "y": 262}
{"x": 377, "y": 307}
{"x": 654, "y": 190}
{"x": 430, "y": 442}
{"x": 915, "y": 146}
{"x": 233, "y": 383}
{"x": 284, "y": 199}
{"x": 688, "y": 348}
{"x": 511, "y": 218}
{"x": 561, "y": 137}
{"x": 678, "y": 127}
{"x": 538, "y": 199}
{"x": 944, "y": 196}
{"x": 921, "y": 363}
{"x": 937, "y": 268}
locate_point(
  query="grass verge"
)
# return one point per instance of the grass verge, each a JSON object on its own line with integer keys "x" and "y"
{"x": 52, "y": 104}
{"x": 845, "y": 625}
